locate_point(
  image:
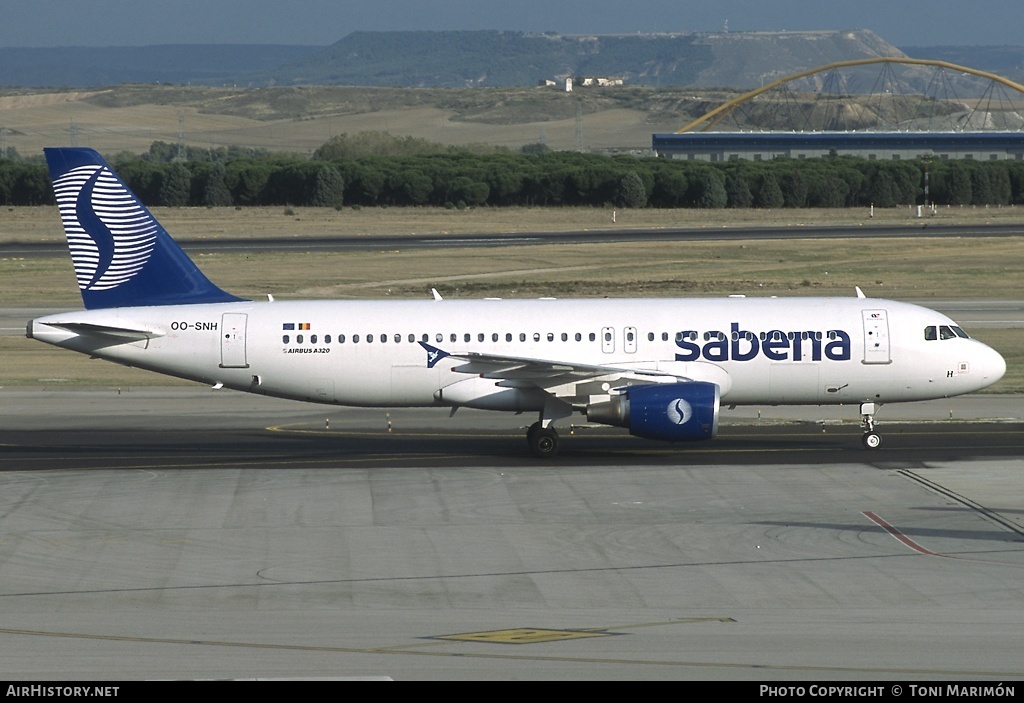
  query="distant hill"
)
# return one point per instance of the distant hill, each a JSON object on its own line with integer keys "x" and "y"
{"x": 503, "y": 59}
{"x": 1005, "y": 61}
{"x": 496, "y": 59}
{"x": 83, "y": 67}
{"x": 458, "y": 59}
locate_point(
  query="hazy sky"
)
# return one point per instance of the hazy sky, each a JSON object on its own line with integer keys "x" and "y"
{"x": 40, "y": 23}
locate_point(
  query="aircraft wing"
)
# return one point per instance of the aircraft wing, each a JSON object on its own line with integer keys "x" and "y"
{"x": 543, "y": 373}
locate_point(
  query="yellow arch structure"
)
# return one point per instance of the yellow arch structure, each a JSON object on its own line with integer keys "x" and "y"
{"x": 712, "y": 118}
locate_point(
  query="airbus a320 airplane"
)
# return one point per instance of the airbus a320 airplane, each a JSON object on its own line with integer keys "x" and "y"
{"x": 659, "y": 367}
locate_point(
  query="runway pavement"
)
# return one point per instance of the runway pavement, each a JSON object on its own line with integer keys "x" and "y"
{"x": 386, "y": 242}
{"x": 192, "y": 534}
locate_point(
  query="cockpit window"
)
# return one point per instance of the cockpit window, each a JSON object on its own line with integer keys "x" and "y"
{"x": 933, "y": 332}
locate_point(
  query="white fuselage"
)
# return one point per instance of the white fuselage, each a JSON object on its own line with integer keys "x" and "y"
{"x": 367, "y": 353}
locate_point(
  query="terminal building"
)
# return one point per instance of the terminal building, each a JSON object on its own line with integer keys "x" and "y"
{"x": 890, "y": 146}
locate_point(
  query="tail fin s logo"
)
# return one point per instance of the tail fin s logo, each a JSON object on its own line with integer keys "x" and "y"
{"x": 110, "y": 234}
{"x": 122, "y": 256}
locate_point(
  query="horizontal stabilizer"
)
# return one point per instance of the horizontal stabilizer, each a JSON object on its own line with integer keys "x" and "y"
{"x": 121, "y": 331}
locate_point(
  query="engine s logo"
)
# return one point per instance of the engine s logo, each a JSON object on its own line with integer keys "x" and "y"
{"x": 679, "y": 411}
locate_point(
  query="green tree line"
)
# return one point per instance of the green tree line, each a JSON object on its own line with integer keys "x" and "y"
{"x": 409, "y": 172}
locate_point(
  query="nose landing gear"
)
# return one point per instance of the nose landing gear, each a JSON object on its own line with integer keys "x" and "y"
{"x": 871, "y": 439}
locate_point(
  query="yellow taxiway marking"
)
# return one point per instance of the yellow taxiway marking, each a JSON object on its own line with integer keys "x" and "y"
{"x": 433, "y": 652}
{"x": 524, "y": 635}
{"x": 532, "y": 635}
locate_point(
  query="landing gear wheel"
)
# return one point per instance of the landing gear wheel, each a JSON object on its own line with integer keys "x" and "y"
{"x": 543, "y": 441}
{"x": 871, "y": 440}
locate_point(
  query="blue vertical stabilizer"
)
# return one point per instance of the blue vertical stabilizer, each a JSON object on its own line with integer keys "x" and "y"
{"x": 123, "y": 257}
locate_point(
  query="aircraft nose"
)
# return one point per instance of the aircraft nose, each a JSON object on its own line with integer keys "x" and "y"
{"x": 992, "y": 366}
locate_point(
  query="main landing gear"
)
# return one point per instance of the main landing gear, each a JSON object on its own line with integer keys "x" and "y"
{"x": 871, "y": 439}
{"x": 543, "y": 440}
{"x": 541, "y": 435}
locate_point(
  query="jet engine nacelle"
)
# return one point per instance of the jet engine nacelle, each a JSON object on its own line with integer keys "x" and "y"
{"x": 676, "y": 412}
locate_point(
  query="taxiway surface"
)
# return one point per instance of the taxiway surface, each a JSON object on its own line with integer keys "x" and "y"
{"x": 186, "y": 533}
